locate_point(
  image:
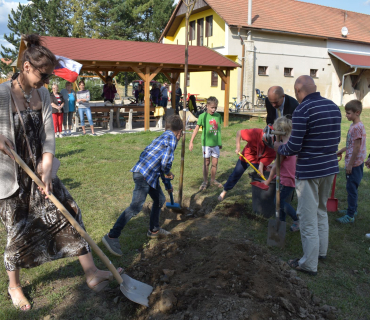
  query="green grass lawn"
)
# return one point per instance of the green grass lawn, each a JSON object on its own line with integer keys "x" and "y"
{"x": 96, "y": 170}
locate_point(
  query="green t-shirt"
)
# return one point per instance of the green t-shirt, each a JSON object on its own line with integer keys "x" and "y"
{"x": 211, "y": 135}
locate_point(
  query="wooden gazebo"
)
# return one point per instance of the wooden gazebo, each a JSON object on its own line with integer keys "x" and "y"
{"x": 147, "y": 59}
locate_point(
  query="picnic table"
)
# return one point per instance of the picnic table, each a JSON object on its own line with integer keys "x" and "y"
{"x": 136, "y": 112}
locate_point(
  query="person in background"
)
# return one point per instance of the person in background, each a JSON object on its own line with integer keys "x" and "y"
{"x": 314, "y": 139}
{"x": 160, "y": 95}
{"x": 57, "y": 103}
{"x": 69, "y": 96}
{"x": 355, "y": 150}
{"x": 138, "y": 91}
{"x": 164, "y": 93}
{"x": 109, "y": 90}
{"x": 211, "y": 141}
{"x": 83, "y": 98}
{"x": 36, "y": 231}
{"x": 279, "y": 102}
{"x": 155, "y": 94}
{"x": 178, "y": 96}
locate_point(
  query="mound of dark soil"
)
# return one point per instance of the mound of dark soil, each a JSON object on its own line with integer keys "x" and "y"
{"x": 217, "y": 279}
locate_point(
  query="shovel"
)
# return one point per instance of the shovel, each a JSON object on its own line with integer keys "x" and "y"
{"x": 277, "y": 228}
{"x": 172, "y": 204}
{"x": 133, "y": 290}
{"x": 332, "y": 204}
{"x": 256, "y": 183}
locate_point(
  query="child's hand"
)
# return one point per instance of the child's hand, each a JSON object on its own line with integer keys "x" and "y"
{"x": 237, "y": 150}
{"x": 191, "y": 146}
{"x": 349, "y": 169}
{"x": 367, "y": 163}
{"x": 339, "y": 152}
{"x": 266, "y": 182}
{"x": 169, "y": 175}
{"x": 170, "y": 191}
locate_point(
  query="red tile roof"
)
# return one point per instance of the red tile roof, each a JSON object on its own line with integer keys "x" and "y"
{"x": 82, "y": 49}
{"x": 353, "y": 60}
{"x": 7, "y": 62}
{"x": 294, "y": 17}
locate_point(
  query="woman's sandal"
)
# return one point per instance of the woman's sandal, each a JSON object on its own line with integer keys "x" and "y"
{"x": 203, "y": 186}
{"x": 22, "y": 304}
{"x": 294, "y": 264}
{"x": 103, "y": 283}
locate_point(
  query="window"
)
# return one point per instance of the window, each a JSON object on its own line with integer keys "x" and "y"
{"x": 192, "y": 30}
{"x": 314, "y": 73}
{"x": 262, "y": 71}
{"x": 288, "y": 72}
{"x": 214, "y": 79}
{"x": 200, "y": 32}
{"x": 188, "y": 80}
{"x": 209, "y": 26}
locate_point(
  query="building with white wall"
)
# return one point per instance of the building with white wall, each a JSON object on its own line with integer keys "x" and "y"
{"x": 283, "y": 39}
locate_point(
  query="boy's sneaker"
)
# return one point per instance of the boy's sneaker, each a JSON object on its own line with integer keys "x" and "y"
{"x": 345, "y": 212}
{"x": 158, "y": 234}
{"x": 112, "y": 245}
{"x": 295, "y": 226}
{"x": 346, "y": 219}
{"x": 56, "y": 135}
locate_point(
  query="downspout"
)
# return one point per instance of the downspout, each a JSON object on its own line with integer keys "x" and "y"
{"x": 346, "y": 74}
{"x": 249, "y": 12}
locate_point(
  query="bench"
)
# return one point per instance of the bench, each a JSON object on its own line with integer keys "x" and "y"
{"x": 135, "y": 116}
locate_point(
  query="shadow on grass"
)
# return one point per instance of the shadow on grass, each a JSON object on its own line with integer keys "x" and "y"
{"x": 70, "y": 183}
{"x": 69, "y": 153}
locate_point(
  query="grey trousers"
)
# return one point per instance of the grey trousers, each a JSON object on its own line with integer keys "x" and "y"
{"x": 312, "y": 197}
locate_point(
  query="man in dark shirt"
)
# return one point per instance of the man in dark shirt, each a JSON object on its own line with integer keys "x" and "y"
{"x": 278, "y": 101}
{"x": 314, "y": 139}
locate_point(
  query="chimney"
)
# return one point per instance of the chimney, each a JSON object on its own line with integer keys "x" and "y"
{"x": 249, "y": 12}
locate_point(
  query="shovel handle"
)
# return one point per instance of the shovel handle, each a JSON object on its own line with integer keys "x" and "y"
{"x": 71, "y": 220}
{"x": 259, "y": 173}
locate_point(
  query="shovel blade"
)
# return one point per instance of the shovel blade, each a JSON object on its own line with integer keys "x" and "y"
{"x": 135, "y": 291}
{"x": 276, "y": 233}
{"x": 260, "y": 185}
{"x": 332, "y": 205}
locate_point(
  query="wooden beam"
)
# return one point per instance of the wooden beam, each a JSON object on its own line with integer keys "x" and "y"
{"x": 155, "y": 73}
{"x": 138, "y": 72}
{"x": 147, "y": 99}
{"x": 100, "y": 76}
{"x": 222, "y": 75}
{"x": 227, "y": 99}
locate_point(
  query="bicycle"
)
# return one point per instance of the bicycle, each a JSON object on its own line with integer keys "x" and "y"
{"x": 237, "y": 107}
{"x": 260, "y": 98}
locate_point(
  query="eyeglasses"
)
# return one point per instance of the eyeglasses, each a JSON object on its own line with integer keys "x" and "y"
{"x": 43, "y": 76}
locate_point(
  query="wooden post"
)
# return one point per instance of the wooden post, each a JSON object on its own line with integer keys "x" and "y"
{"x": 147, "y": 99}
{"x": 190, "y": 5}
{"x": 227, "y": 99}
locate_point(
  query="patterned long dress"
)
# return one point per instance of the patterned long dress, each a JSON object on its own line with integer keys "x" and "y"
{"x": 37, "y": 231}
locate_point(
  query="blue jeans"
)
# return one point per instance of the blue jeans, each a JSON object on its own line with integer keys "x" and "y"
{"x": 353, "y": 181}
{"x": 239, "y": 169}
{"x": 285, "y": 206}
{"x": 142, "y": 189}
{"x": 87, "y": 111}
{"x": 164, "y": 102}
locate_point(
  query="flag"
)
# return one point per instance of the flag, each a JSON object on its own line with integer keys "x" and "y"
{"x": 67, "y": 69}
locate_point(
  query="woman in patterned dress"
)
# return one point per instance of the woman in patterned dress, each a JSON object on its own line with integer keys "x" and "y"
{"x": 37, "y": 232}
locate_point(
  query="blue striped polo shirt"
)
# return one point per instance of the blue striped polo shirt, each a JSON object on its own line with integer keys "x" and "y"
{"x": 315, "y": 137}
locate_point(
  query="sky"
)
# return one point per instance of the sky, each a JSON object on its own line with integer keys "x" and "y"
{"x": 362, "y": 6}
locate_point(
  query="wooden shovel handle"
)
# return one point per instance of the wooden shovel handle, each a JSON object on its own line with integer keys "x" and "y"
{"x": 71, "y": 220}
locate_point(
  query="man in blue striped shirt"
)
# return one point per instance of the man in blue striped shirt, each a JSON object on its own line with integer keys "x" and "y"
{"x": 314, "y": 139}
{"x": 155, "y": 161}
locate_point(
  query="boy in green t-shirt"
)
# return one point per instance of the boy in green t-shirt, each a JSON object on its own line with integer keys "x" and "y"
{"x": 211, "y": 141}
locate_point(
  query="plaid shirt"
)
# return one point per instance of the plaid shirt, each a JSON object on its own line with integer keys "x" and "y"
{"x": 157, "y": 158}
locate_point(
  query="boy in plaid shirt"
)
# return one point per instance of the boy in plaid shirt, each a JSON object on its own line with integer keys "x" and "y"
{"x": 155, "y": 160}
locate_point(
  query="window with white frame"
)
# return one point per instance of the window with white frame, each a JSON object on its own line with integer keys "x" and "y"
{"x": 262, "y": 71}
